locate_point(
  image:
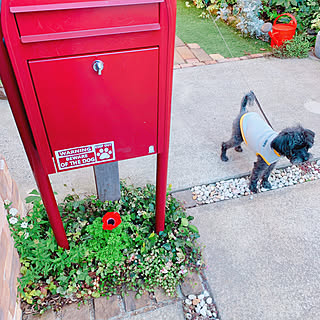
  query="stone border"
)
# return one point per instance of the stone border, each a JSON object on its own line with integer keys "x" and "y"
{"x": 192, "y": 55}
{"x": 117, "y": 307}
{"x": 192, "y": 196}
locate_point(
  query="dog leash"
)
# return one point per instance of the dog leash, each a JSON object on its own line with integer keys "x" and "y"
{"x": 243, "y": 75}
{"x": 260, "y": 108}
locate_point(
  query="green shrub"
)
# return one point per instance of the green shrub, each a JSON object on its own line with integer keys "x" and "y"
{"x": 298, "y": 47}
{"x": 285, "y": 3}
{"x": 316, "y": 21}
{"x": 305, "y": 12}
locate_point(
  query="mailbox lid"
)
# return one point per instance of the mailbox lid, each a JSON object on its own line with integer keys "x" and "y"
{"x": 81, "y": 108}
{"x": 45, "y": 22}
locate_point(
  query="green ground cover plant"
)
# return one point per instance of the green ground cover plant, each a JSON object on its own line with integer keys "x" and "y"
{"x": 193, "y": 29}
{"x": 113, "y": 249}
{"x": 298, "y": 47}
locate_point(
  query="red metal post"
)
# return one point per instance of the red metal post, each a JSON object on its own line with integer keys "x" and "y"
{"x": 164, "y": 136}
{"x": 41, "y": 177}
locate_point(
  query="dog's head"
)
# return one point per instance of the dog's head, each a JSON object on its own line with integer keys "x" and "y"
{"x": 294, "y": 144}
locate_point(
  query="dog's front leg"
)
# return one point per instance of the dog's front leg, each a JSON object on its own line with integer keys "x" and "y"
{"x": 259, "y": 168}
{"x": 265, "y": 183}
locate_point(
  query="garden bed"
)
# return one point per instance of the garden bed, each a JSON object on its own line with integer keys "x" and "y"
{"x": 113, "y": 249}
{"x": 218, "y": 24}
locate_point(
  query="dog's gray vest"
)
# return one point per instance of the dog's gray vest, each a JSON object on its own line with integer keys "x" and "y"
{"x": 258, "y": 135}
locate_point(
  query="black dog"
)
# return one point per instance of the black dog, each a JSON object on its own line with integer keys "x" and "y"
{"x": 269, "y": 145}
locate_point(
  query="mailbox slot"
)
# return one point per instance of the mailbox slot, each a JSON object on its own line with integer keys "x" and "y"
{"x": 68, "y": 21}
{"x": 82, "y": 108}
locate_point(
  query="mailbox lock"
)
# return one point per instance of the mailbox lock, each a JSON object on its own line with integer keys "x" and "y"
{"x": 98, "y": 66}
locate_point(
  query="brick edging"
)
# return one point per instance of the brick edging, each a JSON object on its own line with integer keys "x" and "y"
{"x": 10, "y": 264}
{"x": 120, "y": 307}
{"x": 193, "y": 63}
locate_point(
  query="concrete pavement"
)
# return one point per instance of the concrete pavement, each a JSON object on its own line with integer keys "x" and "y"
{"x": 262, "y": 254}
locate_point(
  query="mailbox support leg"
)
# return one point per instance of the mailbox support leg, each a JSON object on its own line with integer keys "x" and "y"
{"x": 50, "y": 203}
{"x": 107, "y": 181}
{"x": 40, "y": 175}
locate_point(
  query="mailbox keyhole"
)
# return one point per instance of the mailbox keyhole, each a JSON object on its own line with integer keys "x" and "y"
{"x": 98, "y": 66}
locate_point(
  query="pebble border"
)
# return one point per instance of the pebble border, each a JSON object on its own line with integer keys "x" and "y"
{"x": 200, "y": 307}
{"x": 238, "y": 187}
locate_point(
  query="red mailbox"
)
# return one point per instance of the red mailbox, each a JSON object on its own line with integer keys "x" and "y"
{"x": 89, "y": 82}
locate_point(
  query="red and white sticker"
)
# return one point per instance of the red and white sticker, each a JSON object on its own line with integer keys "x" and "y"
{"x": 86, "y": 155}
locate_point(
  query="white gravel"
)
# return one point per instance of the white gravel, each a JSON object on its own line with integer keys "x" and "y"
{"x": 236, "y": 188}
{"x": 201, "y": 307}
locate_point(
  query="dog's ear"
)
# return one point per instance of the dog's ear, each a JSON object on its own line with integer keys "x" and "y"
{"x": 309, "y": 137}
{"x": 282, "y": 143}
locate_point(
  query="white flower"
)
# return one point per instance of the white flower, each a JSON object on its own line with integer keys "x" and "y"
{"x": 164, "y": 270}
{"x": 13, "y": 211}
{"x": 6, "y": 202}
{"x": 24, "y": 225}
{"x": 13, "y": 220}
{"x": 26, "y": 236}
{"x": 183, "y": 270}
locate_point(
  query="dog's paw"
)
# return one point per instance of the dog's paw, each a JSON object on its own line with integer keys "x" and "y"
{"x": 266, "y": 184}
{"x": 238, "y": 149}
{"x": 224, "y": 158}
{"x": 253, "y": 188}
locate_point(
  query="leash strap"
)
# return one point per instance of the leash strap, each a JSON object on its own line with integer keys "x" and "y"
{"x": 243, "y": 75}
{"x": 260, "y": 108}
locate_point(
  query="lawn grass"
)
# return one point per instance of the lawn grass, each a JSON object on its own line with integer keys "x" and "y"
{"x": 193, "y": 29}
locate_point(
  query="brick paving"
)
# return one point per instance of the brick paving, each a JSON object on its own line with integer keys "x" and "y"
{"x": 128, "y": 307}
{"x": 188, "y": 55}
{"x": 3, "y": 95}
{"x": 10, "y": 264}
{"x": 106, "y": 308}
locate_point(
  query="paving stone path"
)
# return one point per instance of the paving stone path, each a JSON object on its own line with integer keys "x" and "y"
{"x": 191, "y": 55}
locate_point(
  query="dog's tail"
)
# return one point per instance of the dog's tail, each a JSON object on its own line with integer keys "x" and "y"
{"x": 247, "y": 99}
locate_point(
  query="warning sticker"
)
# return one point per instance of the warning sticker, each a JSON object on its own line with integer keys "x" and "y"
{"x": 86, "y": 155}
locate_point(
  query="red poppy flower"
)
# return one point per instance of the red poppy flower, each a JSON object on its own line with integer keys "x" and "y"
{"x": 111, "y": 220}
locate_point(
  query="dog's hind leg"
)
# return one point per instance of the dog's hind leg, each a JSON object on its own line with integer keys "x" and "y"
{"x": 265, "y": 183}
{"x": 234, "y": 142}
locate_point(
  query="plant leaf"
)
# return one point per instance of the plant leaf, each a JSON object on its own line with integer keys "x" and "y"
{"x": 34, "y": 191}
{"x": 167, "y": 246}
{"x": 184, "y": 222}
{"x": 194, "y": 229}
{"x": 31, "y": 199}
